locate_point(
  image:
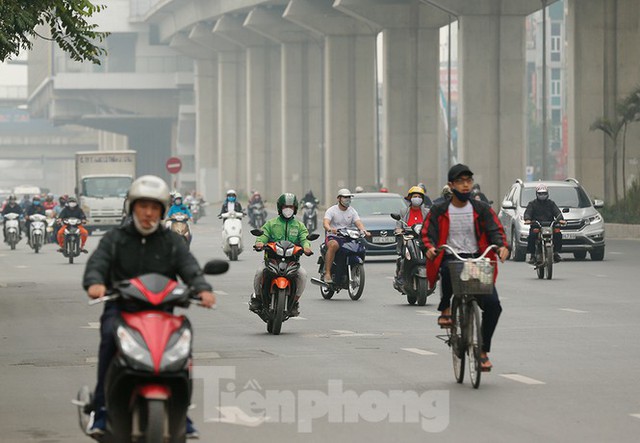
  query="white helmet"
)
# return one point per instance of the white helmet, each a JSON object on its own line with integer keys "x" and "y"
{"x": 231, "y": 192}
{"x": 148, "y": 187}
{"x": 344, "y": 192}
{"x": 542, "y": 189}
{"x": 177, "y": 196}
{"x": 359, "y": 189}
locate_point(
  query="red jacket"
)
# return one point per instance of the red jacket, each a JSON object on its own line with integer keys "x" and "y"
{"x": 435, "y": 231}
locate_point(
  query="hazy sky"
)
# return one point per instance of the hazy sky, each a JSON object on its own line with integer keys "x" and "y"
{"x": 12, "y": 75}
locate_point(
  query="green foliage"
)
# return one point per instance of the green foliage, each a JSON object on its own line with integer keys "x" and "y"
{"x": 626, "y": 210}
{"x": 67, "y": 20}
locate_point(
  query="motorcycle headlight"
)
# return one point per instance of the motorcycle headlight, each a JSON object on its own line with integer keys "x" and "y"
{"x": 279, "y": 251}
{"x": 132, "y": 349}
{"x": 289, "y": 252}
{"x": 407, "y": 254}
{"x": 417, "y": 228}
{"x": 177, "y": 354}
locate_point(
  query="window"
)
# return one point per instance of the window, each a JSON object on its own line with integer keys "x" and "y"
{"x": 555, "y": 87}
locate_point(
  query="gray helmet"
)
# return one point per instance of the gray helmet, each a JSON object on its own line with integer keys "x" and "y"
{"x": 148, "y": 187}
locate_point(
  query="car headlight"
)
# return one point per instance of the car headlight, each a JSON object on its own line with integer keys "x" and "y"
{"x": 593, "y": 219}
{"x": 179, "y": 352}
{"x": 132, "y": 349}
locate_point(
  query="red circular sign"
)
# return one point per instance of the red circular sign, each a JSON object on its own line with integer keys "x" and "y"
{"x": 174, "y": 165}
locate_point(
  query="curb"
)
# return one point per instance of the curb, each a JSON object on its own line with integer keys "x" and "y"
{"x": 621, "y": 231}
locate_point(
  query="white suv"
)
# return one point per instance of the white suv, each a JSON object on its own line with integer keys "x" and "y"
{"x": 584, "y": 231}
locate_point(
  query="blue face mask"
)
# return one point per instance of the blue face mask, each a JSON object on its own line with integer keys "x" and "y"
{"x": 36, "y": 203}
{"x": 231, "y": 199}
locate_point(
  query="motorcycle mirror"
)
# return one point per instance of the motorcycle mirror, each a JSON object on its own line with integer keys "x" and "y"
{"x": 257, "y": 232}
{"x": 312, "y": 237}
{"x": 565, "y": 209}
{"x": 213, "y": 267}
{"x": 395, "y": 216}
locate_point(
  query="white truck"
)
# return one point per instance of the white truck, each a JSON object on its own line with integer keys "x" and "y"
{"x": 102, "y": 181}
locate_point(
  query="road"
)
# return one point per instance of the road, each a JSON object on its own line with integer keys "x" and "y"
{"x": 565, "y": 357}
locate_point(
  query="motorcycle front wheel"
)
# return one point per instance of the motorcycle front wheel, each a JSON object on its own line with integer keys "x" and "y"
{"x": 156, "y": 417}
{"x": 422, "y": 291}
{"x": 233, "y": 253}
{"x": 277, "y": 316}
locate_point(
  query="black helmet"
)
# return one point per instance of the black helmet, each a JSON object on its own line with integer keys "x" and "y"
{"x": 287, "y": 199}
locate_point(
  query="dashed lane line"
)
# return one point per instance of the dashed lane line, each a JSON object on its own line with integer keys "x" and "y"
{"x": 574, "y": 311}
{"x": 419, "y": 351}
{"x": 523, "y": 379}
{"x": 92, "y": 325}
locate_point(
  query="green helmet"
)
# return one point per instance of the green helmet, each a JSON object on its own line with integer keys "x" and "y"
{"x": 287, "y": 199}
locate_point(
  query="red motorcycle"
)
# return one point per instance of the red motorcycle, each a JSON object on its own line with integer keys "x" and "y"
{"x": 147, "y": 387}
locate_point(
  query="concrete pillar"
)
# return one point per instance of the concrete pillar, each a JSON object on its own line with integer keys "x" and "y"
{"x": 349, "y": 88}
{"x": 206, "y": 100}
{"x": 492, "y": 105}
{"x": 410, "y": 89}
{"x": 300, "y": 152}
{"x": 264, "y": 165}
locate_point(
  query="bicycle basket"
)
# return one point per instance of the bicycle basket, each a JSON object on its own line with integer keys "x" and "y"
{"x": 472, "y": 278}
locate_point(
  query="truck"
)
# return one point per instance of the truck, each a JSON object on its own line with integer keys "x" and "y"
{"x": 102, "y": 181}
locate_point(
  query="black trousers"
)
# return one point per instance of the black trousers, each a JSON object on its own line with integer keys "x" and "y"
{"x": 489, "y": 303}
{"x": 533, "y": 238}
{"x": 106, "y": 352}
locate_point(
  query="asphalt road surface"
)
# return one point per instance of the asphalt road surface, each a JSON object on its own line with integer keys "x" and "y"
{"x": 566, "y": 356}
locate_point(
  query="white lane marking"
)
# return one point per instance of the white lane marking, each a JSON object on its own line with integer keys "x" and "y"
{"x": 428, "y": 313}
{"x": 205, "y": 355}
{"x": 615, "y": 253}
{"x": 221, "y": 292}
{"x": 635, "y": 415}
{"x": 340, "y": 331}
{"x": 236, "y": 416}
{"x": 297, "y": 318}
{"x": 419, "y": 351}
{"x": 21, "y": 266}
{"x": 91, "y": 360}
{"x": 390, "y": 277}
{"x": 601, "y": 276}
{"x": 523, "y": 379}
{"x": 92, "y": 325}
{"x": 575, "y": 311}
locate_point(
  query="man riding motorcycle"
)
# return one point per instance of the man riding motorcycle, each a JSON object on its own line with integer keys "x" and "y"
{"x": 35, "y": 208}
{"x": 178, "y": 207}
{"x": 256, "y": 201}
{"x": 231, "y": 203}
{"x": 414, "y": 214}
{"x": 72, "y": 210}
{"x": 135, "y": 249}
{"x": 310, "y": 198}
{"x": 542, "y": 209}
{"x": 12, "y": 207}
{"x": 283, "y": 227}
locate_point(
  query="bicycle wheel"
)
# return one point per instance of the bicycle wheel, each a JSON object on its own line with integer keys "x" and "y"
{"x": 457, "y": 339}
{"x": 474, "y": 342}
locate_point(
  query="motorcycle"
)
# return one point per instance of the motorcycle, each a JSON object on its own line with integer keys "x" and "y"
{"x": 282, "y": 261}
{"x": 37, "y": 231}
{"x": 544, "y": 247}
{"x": 257, "y": 214}
{"x": 50, "y": 236}
{"x": 194, "y": 207}
{"x": 179, "y": 223}
{"x": 232, "y": 234}
{"x": 414, "y": 269}
{"x": 347, "y": 271}
{"x": 310, "y": 216}
{"x": 71, "y": 245}
{"x": 12, "y": 229}
{"x": 148, "y": 386}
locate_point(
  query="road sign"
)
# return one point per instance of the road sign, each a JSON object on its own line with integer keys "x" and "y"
{"x": 174, "y": 165}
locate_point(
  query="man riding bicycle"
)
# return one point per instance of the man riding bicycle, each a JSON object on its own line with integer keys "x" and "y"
{"x": 468, "y": 226}
{"x": 543, "y": 210}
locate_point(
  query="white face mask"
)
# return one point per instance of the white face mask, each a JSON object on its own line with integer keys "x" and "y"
{"x": 73, "y": 205}
{"x": 287, "y": 212}
{"x": 416, "y": 201}
{"x": 346, "y": 201}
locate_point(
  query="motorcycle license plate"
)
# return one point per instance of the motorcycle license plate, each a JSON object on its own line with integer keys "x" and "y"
{"x": 384, "y": 240}
{"x": 568, "y": 235}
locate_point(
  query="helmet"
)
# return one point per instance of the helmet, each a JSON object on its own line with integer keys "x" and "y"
{"x": 72, "y": 199}
{"x": 541, "y": 189}
{"x": 384, "y": 190}
{"x": 231, "y": 192}
{"x": 177, "y": 196}
{"x": 423, "y": 187}
{"x": 148, "y": 187}
{"x": 414, "y": 190}
{"x": 12, "y": 198}
{"x": 287, "y": 199}
{"x": 446, "y": 192}
{"x": 36, "y": 197}
{"x": 344, "y": 192}
{"x": 359, "y": 189}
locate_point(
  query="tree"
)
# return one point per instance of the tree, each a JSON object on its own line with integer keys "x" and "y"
{"x": 67, "y": 20}
{"x": 630, "y": 111}
{"x": 612, "y": 129}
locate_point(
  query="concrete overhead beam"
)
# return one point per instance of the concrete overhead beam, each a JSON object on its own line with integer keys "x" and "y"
{"x": 269, "y": 23}
{"x": 394, "y": 13}
{"x": 202, "y": 34}
{"x": 231, "y": 28}
{"x": 489, "y": 7}
{"x": 182, "y": 44}
{"x": 320, "y": 16}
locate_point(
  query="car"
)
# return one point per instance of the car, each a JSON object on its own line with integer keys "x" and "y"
{"x": 584, "y": 231}
{"x": 375, "y": 209}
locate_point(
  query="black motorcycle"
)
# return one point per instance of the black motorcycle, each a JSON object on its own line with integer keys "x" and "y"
{"x": 414, "y": 269}
{"x": 71, "y": 245}
{"x": 257, "y": 214}
{"x": 347, "y": 271}
{"x": 544, "y": 247}
{"x": 282, "y": 261}
{"x": 310, "y": 216}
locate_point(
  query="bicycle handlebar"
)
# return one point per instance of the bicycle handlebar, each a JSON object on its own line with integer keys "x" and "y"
{"x": 448, "y": 248}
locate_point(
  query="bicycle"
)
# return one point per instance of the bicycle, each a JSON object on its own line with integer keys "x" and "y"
{"x": 470, "y": 277}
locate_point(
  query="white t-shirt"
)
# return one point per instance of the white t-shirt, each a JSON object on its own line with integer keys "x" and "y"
{"x": 339, "y": 219}
{"x": 462, "y": 235}
{"x": 231, "y": 206}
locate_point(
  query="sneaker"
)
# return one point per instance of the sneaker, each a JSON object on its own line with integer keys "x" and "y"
{"x": 192, "y": 432}
{"x": 532, "y": 260}
{"x": 97, "y": 423}
{"x": 84, "y": 251}
{"x": 556, "y": 257}
{"x": 60, "y": 250}
{"x": 255, "y": 305}
{"x": 294, "y": 311}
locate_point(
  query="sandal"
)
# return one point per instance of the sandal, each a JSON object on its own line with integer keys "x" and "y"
{"x": 484, "y": 367}
{"x": 445, "y": 321}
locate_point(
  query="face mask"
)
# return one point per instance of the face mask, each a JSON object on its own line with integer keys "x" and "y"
{"x": 346, "y": 201}
{"x": 178, "y": 202}
{"x": 73, "y": 205}
{"x": 543, "y": 197}
{"x": 416, "y": 201}
{"x": 145, "y": 231}
{"x": 287, "y": 213}
{"x": 231, "y": 199}
{"x": 36, "y": 203}
{"x": 462, "y": 196}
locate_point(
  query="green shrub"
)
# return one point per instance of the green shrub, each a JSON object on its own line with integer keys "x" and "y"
{"x": 627, "y": 210}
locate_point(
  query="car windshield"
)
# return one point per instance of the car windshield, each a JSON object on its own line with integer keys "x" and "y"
{"x": 378, "y": 206}
{"x": 106, "y": 186}
{"x": 563, "y": 196}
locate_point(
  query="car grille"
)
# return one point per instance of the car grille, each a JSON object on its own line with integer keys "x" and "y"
{"x": 573, "y": 225}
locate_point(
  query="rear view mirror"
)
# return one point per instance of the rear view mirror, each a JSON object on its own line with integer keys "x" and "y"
{"x": 257, "y": 232}
{"x": 598, "y": 204}
{"x": 213, "y": 267}
{"x": 508, "y": 204}
{"x": 395, "y": 216}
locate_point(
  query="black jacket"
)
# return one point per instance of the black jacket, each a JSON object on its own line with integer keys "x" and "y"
{"x": 76, "y": 212}
{"x": 33, "y": 209}
{"x": 542, "y": 211}
{"x": 225, "y": 205}
{"x": 123, "y": 253}
{"x": 16, "y": 209}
